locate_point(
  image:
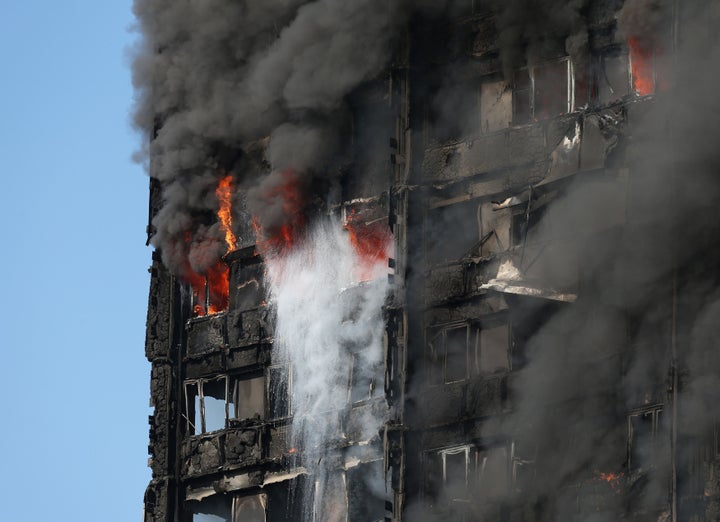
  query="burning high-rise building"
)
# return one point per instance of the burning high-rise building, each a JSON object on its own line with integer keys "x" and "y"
{"x": 434, "y": 260}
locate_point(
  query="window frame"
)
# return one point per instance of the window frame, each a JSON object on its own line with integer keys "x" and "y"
{"x": 531, "y": 90}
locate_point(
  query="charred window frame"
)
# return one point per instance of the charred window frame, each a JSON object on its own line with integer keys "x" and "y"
{"x": 543, "y": 91}
{"x": 211, "y": 403}
{"x": 468, "y": 473}
{"x": 449, "y": 354}
{"x": 206, "y": 404}
{"x": 613, "y": 78}
{"x": 644, "y": 429}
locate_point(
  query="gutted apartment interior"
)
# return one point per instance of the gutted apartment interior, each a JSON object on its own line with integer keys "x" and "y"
{"x": 547, "y": 342}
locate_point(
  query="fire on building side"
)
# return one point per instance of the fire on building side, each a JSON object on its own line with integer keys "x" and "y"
{"x": 423, "y": 261}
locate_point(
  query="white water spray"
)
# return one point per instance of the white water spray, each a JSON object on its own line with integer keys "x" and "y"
{"x": 326, "y": 323}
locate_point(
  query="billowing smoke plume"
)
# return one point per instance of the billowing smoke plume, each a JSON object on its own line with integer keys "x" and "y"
{"x": 649, "y": 289}
{"x": 532, "y": 30}
{"x": 213, "y": 77}
{"x": 328, "y": 328}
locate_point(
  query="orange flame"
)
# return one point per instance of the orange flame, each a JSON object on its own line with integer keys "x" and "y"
{"x": 370, "y": 240}
{"x": 613, "y": 479}
{"x": 224, "y": 195}
{"x": 641, "y": 60}
{"x": 211, "y": 291}
{"x": 277, "y": 240}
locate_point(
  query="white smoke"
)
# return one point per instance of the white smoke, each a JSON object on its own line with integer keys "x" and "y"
{"x": 323, "y": 317}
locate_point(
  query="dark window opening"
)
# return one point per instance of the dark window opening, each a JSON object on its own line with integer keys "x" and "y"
{"x": 551, "y": 89}
{"x": 613, "y": 79}
{"x": 449, "y": 354}
{"x": 643, "y": 439}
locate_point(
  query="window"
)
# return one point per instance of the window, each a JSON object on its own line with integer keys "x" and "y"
{"x": 449, "y": 354}
{"x": 643, "y": 440}
{"x": 467, "y": 472}
{"x": 248, "y": 398}
{"x": 543, "y": 91}
{"x": 210, "y": 403}
{"x": 457, "y": 352}
{"x": 614, "y": 78}
{"x": 452, "y": 231}
{"x": 221, "y": 508}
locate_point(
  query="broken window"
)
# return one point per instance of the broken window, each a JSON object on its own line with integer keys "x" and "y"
{"x": 495, "y": 229}
{"x": 543, "y": 91}
{"x": 469, "y": 473}
{"x": 449, "y": 354}
{"x": 248, "y": 398}
{"x": 643, "y": 440}
{"x": 496, "y": 107}
{"x": 614, "y": 78}
{"x": 210, "y": 403}
{"x": 205, "y": 405}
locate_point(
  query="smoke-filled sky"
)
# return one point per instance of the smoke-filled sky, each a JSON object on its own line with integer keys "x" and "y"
{"x": 74, "y": 208}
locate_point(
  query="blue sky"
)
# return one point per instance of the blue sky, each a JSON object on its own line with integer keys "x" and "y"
{"x": 73, "y": 206}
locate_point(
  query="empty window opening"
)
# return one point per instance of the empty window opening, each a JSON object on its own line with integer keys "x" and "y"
{"x": 471, "y": 473}
{"x": 205, "y": 401}
{"x": 643, "y": 440}
{"x": 614, "y": 78}
{"x": 449, "y": 354}
{"x": 211, "y": 403}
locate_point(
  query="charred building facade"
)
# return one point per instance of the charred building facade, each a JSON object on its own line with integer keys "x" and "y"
{"x": 421, "y": 261}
